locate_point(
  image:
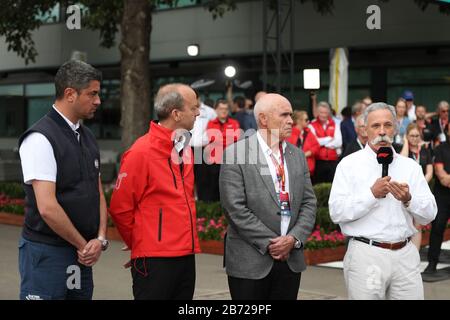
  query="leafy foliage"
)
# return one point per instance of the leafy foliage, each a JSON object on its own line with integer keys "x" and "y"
{"x": 13, "y": 190}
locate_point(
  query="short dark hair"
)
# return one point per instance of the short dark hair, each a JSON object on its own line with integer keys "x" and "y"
{"x": 219, "y": 101}
{"x": 75, "y": 74}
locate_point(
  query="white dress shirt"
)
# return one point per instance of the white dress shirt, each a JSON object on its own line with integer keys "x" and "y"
{"x": 273, "y": 172}
{"x": 353, "y": 205}
{"x": 36, "y": 155}
{"x": 199, "y": 136}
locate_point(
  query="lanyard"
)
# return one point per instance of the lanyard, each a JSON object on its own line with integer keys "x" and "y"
{"x": 280, "y": 169}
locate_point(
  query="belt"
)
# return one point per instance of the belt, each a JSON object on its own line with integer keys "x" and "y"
{"x": 384, "y": 245}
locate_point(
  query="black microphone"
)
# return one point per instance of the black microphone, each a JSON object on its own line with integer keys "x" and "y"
{"x": 384, "y": 157}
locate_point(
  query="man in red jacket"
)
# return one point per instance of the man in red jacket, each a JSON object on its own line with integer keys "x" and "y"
{"x": 222, "y": 131}
{"x": 153, "y": 203}
{"x": 330, "y": 139}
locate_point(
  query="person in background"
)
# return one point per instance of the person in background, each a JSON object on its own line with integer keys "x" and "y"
{"x": 348, "y": 125}
{"x": 423, "y": 121}
{"x": 438, "y": 124}
{"x": 402, "y": 120}
{"x": 330, "y": 139}
{"x": 222, "y": 131}
{"x": 198, "y": 142}
{"x": 367, "y": 101}
{"x": 408, "y": 96}
{"x": 414, "y": 148}
{"x": 442, "y": 194}
{"x": 303, "y": 138}
{"x": 361, "y": 139}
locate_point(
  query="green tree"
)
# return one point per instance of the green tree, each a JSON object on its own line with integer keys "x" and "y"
{"x": 134, "y": 18}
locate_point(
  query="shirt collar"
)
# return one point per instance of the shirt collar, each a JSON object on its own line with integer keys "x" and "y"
{"x": 179, "y": 142}
{"x": 264, "y": 147}
{"x": 73, "y": 126}
{"x": 372, "y": 153}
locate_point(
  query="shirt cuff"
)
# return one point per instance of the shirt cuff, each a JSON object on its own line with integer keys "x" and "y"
{"x": 28, "y": 180}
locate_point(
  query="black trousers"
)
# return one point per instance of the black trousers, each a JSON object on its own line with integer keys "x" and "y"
{"x": 324, "y": 171}
{"x": 201, "y": 173}
{"x": 163, "y": 278}
{"x": 438, "y": 226}
{"x": 280, "y": 284}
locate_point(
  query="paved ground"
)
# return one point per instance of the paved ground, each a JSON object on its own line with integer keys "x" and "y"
{"x": 112, "y": 281}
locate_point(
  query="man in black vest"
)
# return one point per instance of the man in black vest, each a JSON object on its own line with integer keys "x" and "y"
{"x": 65, "y": 218}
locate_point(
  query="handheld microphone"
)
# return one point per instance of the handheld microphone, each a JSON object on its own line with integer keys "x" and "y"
{"x": 384, "y": 157}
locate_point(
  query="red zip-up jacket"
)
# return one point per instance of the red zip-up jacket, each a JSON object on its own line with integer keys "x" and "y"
{"x": 153, "y": 203}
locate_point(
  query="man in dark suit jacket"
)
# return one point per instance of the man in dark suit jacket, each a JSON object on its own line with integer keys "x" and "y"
{"x": 360, "y": 141}
{"x": 270, "y": 205}
{"x": 348, "y": 125}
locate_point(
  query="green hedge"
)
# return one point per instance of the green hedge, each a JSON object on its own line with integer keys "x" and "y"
{"x": 204, "y": 210}
{"x": 12, "y": 190}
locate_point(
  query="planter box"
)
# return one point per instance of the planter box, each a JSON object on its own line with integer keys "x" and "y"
{"x": 212, "y": 246}
{"x": 11, "y": 219}
{"x": 313, "y": 257}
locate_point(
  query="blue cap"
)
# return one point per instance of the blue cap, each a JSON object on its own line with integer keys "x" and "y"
{"x": 408, "y": 95}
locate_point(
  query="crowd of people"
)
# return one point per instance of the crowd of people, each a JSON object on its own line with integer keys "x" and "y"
{"x": 262, "y": 176}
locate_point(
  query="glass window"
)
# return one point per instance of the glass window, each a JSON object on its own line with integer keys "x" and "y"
{"x": 12, "y": 116}
{"x": 40, "y": 90}
{"x": 179, "y": 4}
{"x": 11, "y": 90}
{"x": 37, "y": 108}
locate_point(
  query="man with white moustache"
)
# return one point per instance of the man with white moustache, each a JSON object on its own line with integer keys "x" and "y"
{"x": 377, "y": 214}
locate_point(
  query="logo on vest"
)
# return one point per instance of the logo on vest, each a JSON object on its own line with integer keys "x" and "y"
{"x": 119, "y": 179}
{"x": 96, "y": 163}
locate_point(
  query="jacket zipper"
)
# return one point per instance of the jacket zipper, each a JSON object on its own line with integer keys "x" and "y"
{"x": 160, "y": 224}
{"x": 173, "y": 174}
{"x": 187, "y": 202}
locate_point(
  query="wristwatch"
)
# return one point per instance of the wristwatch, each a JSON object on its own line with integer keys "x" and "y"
{"x": 297, "y": 244}
{"x": 104, "y": 242}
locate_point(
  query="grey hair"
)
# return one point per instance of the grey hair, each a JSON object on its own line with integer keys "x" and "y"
{"x": 324, "y": 104}
{"x": 75, "y": 74}
{"x": 442, "y": 104}
{"x": 380, "y": 106}
{"x": 357, "y": 107}
{"x": 167, "y": 99}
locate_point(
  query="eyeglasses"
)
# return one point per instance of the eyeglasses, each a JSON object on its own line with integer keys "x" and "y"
{"x": 443, "y": 111}
{"x": 414, "y": 136}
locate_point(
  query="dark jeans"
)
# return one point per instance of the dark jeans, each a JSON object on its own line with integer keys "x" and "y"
{"x": 52, "y": 273}
{"x": 280, "y": 284}
{"x": 163, "y": 278}
{"x": 438, "y": 227}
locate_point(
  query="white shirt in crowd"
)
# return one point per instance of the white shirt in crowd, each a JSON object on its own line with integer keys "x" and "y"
{"x": 353, "y": 206}
{"x": 412, "y": 113}
{"x": 285, "y": 220}
{"x": 36, "y": 155}
{"x": 199, "y": 136}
